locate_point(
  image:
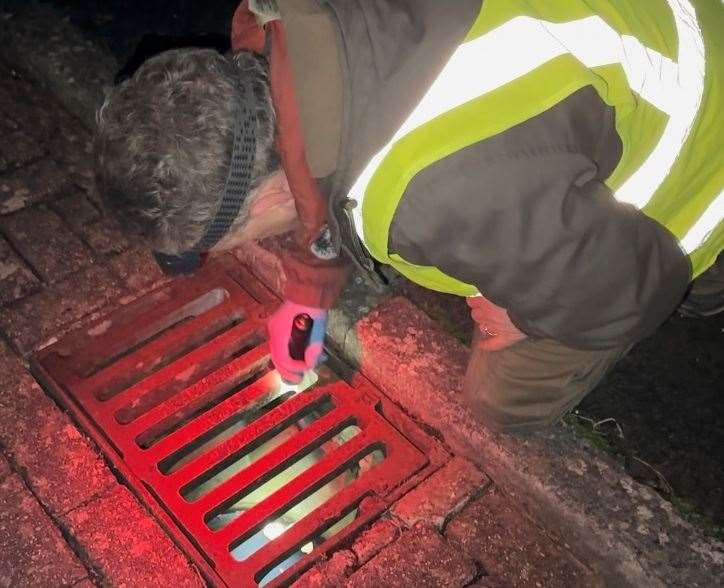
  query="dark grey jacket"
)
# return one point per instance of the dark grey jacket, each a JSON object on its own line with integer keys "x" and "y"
{"x": 525, "y": 215}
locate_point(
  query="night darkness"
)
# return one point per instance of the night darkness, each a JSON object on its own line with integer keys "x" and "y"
{"x": 121, "y": 24}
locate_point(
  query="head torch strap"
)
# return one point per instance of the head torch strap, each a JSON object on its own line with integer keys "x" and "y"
{"x": 238, "y": 179}
{"x": 235, "y": 191}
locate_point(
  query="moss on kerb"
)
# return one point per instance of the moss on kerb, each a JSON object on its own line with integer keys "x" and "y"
{"x": 584, "y": 431}
{"x": 688, "y": 512}
{"x": 683, "y": 508}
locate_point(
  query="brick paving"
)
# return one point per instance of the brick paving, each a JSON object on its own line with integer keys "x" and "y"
{"x": 331, "y": 573}
{"x": 511, "y": 548}
{"x": 17, "y": 277}
{"x": 65, "y": 519}
{"x": 443, "y": 494}
{"x": 58, "y": 463}
{"x": 30, "y": 322}
{"x": 421, "y": 558}
{"x": 125, "y": 546}
{"x": 5, "y": 470}
{"x": 54, "y": 257}
{"x": 18, "y": 150}
{"x": 33, "y": 551}
{"x": 375, "y": 539}
{"x": 36, "y": 183}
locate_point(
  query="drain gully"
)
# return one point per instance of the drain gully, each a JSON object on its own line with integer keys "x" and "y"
{"x": 255, "y": 483}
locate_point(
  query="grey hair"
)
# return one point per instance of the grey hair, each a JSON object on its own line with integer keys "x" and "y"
{"x": 164, "y": 143}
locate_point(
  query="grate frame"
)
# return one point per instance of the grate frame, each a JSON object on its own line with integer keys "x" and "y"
{"x": 205, "y": 320}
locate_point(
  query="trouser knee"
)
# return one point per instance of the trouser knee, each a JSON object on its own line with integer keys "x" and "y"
{"x": 532, "y": 384}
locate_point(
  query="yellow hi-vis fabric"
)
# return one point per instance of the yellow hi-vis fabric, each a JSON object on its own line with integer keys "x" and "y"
{"x": 659, "y": 63}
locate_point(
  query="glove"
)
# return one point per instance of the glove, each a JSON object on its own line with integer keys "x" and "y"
{"x": 279, "y": 327}
{"x": 494, "y": 323}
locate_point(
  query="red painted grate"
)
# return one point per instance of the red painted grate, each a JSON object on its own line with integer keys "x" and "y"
{"x": 255, "y": 482}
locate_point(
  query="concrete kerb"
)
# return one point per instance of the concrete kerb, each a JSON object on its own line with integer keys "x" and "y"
{"x": 625, "y": 531}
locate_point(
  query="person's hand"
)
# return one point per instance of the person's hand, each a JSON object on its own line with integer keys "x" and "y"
{"x": 494, "y": 323}
{"x": 279, "y": 327}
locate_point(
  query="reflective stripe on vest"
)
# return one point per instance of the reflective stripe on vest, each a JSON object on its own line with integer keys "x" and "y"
{"x": 705, "y": 226}
{"x": 675, "y": 88}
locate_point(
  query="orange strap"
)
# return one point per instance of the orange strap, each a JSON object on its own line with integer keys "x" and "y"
{"x": 247, "y": 35}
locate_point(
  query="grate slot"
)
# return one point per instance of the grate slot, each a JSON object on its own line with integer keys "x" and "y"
{"x": 248, "y": 545}
{"x": 213, "y": 438}
{"x": 252, "y": 452}
{"x": 163, "y": 351}
{"x": 227, "y": 493}
{"x": 219, "y": 436}
{"x": 187, "y": 377}
{"x": 293, "y": 555}
{"x": 129, "y": 375}
{"x": 163, "y": 451}
{"x": 246, "y": 376}
{"x": 220, "y": 345}
{"x": 195, "y": 308}
{"x": 253, "y": 412}
{"x": 286, "y": 471}
{"x": 298, "y": 487}
{"x": 283, "y": 416}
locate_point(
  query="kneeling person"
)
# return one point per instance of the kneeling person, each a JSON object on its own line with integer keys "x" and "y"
{"x": 569, "y": 199}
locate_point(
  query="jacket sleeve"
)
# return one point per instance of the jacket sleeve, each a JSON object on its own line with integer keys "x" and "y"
{"x": 315, "y": 274}
{"x": 312, "y": 281}
{"x": 527, "y": 218}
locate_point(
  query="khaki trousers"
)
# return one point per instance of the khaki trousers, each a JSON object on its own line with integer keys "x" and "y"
{"x": 533, "y": 383}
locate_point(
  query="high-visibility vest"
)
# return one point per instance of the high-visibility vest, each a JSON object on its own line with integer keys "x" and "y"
{"x": 658, "y": 63}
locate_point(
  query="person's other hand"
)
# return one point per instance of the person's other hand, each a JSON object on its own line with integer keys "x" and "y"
{"x": 279, "y": 327}
{"x": 494, "y": 323}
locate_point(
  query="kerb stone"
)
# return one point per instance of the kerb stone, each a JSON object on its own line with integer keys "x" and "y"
{"x": 513, "y": 549}
{"x": 381, "y": 534}
{"x": 417, "y": 364}
{"x": 442, "y": 495}
{"x": 608, "y": 519}
{"x": 330, "y": 573}
{"x": 419, "y": 558}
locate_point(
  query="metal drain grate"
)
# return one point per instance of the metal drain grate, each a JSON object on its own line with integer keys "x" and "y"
{"x": 255, "y": 482}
